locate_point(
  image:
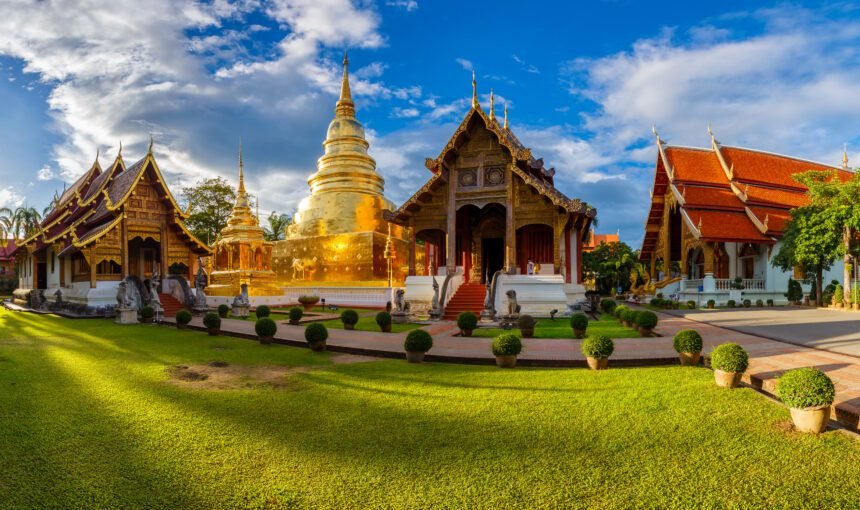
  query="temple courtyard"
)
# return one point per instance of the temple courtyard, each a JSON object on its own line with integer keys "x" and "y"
{"x": 102, "y": 415}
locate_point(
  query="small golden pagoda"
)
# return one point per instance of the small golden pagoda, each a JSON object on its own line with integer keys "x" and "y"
{"x": 339, "y": 236}
{"x": 241, "y": 253}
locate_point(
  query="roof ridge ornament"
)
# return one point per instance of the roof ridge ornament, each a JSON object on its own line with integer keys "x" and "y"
{"x": 345, "y": 108}
{"x": 845, "y": 156}
{"x": 492, "y": 105}
{"x": 714, "y": 140}
{"x": 475, "y": 104}
{"x": 656, "y": 134}
{"x": 151, "y": 141}
{"x": 506, "y": 115}
{"x": 119, "y": 153}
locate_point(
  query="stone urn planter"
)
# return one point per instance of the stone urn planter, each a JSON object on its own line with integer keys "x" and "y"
{"x": 417, "y": 343}
{"x": 179, "y": 325}
{"x": 415, "y": 356}
{"x": 597, "y": 349}
{"x": 349, "y": 327}
{"x": 727, "y": 379}
{"x": 467, "y": 322}
{"x": 318, "y": 346}
{"x": 729, "y": 362}
{"x": 808, "y": 392}
{"x": 506, "y": 347}
{"x": 213, "y": 331}
{"x": 386, "y": 328}
{"x": 688, "y": 345}
{"x": 294, "y": 322}
{"x": 597, "y": 363}
{"x": 812, "y": 420}
{"x": 266, "y": 340}
{"x": 506, "y": 361}
{"x": 309, "y": 302}
{"x": 690, "y": 359}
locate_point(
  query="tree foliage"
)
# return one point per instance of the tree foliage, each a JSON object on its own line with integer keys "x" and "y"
{"x": 613, "y": 263}
{"x": 211, "y": 202}
{"x": 19, "y": 223}
{"x": 276, "y": 230}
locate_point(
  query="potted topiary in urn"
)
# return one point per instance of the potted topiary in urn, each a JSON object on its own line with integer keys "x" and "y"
{"x": 527, "y": 324}
{"x": 506, "y": 347}
{"x": 212, "y": 323}
{"x": 183, "y": 317}
{"x": 688, "y": 345}
{"x": 349, "y": 319}
{"x": 467, "y": 322}
{"x": 619, "y": 312}
{"x": 729, "y": 362}
{"x": 579, "y": 324}
{"x": 316, "y": 335}
{"x": 308, "y": 302}
{"x": 597, "y": 349}
{"x": 265, "y": 329}
{"x": 646, "y": 321}
{"x": 711, "y": 304}
{"x": 296, "y": 314}
{"x": 808, "y": 393}
{"x": 383, "y": 319}
{"x": 223, "y": 310}
{"x": 262, "y": 311}
{"x": 146, "y": 314}
{"x": 417, "y": 343}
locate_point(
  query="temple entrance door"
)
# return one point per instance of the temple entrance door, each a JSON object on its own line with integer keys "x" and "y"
{"x": 493, "y": 256}
{"x": 147, "y": 256}
{"x": 41, "y": 275}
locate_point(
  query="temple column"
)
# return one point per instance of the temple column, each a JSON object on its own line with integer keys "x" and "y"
{"x": 93, "y": 265}
{"x": 510, "y": 230}
{"x": 568, "y": 249}
{"x": 411, "y": 232}
{"x": 557, "y": 232}
{"x": 124, "y": 242}
{"x": 164, "y": 251}
{"x": 451, "y": 232}
{"x": 653, "y": 269}
{"x": 709, "y": 284}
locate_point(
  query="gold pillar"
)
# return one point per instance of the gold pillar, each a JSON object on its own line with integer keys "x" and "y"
{"x": 557, "y": 231}
{"x": 653, "y": 269}
{"x": 451, "y": 232}
{"x": 510, "y": 231}
{"x": 708, "y": 252}
{"x": 411, "y": 247}
{"x": 124, "y": 247}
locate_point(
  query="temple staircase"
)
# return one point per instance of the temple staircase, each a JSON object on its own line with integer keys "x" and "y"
{"x": 468, "y": 298}
{"x": 170, "y": 305}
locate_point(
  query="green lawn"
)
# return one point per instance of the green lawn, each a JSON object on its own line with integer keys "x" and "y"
{"x": 90, "y": 419}
{"x": 560, "y": 328}
{"x": 369, "y": 324}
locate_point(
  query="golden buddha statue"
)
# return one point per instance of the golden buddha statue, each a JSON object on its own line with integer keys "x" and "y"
{"x": 241, "y": 253}
{"x": 339, "y": 235}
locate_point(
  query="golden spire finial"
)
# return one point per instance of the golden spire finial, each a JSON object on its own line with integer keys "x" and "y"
{"x": 241, "y": 170}
{"x": 98, "y": 151}
{"x": 845, "y": 156}
{"x": 506, "y": 115}
{"x": 151, "y": 141}
{"x": 119, "y": 153}
{"x": 492, "y": 105}
{"x": 714, "y": 140}
{"x": 475, "y": 104}
{"x": 345, "y": 107}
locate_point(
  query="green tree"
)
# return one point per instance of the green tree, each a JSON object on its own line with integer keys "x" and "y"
{"x": 211, "y": 202}
{"x": 613, "y": 263}
{"x": 275, "y": 231}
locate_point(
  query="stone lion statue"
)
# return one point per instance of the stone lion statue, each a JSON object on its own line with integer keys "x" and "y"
{"x": 513, "y": 306}
{"x": 123, "y": 297}
{"x": 400, "y": 303}
{"x": 242, "y": 299}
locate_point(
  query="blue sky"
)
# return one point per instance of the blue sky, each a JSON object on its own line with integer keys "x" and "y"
{"x": 584, "y": 81}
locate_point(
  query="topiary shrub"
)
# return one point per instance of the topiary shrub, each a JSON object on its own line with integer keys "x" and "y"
{"x": 223, "y": 310}
{"x": 759, "y": 303}
{"x": 383, "y": 319}
{"x": 838, "y": 295}
{"x": 507, "y": 344}
{"x": 803, "y": 388}
{"x": 795, "y": 291}
{"x": 747, "y": 303}
{"x": 608, "y": 305}
{"x": 262, "y": 311}
{"x": 770, "y": 302}
{"x": 316, "y": 333}
{"x": 691, "y": 304}
{"x": 711, "y": 304}
{"x": 147, "y": 312}
{"x": 597, "y": 347}
{"x": 656, "y": 302}
{"x": 212, "y": 321}
{"x": 307, "y": 301}
{"x": 266, "y": 329}
{"x": 688, "y": 340}
{"x": 467, "y": 321}
{"x": 629, "y": 317}
{"x": 731, "y": 303}
{"x": 349, "y": 319}
{"x": 579, "y": 324}
{"x": 183, "y": 317}
{"x": 619, "y": 311}
{"x": 296, "y": 314}
{"x": 646, "y": 320}
{"x": 418, "y": 340}
{"x": 730, "y": 357}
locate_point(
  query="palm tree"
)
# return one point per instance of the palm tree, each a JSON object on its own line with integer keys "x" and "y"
{"x": 26, "y": 221}
{"x": 6, "y": 222}
{"x": 277, "y": 226}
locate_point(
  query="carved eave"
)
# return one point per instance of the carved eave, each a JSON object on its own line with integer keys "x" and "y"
{"x": 695, "y": 229}
{"x": 116, "y": 167}
{"x": 200, "y": 244}
{"x": 86, "y": 241}
{"x": 413, "y": 203}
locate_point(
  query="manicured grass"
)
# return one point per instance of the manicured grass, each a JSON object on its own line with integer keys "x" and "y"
{"x": 89, "y": 419}
{"x": 560, "y": 328}
{"x": 368, "y": 323}
{"x": 320, "y": 309}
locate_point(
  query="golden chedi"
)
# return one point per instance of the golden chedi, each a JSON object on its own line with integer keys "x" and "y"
{"x": 241, "y": 253}
{"x": 339, "y": 236}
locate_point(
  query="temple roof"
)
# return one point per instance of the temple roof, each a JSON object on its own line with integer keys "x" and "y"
{"x": 728, "y": 193}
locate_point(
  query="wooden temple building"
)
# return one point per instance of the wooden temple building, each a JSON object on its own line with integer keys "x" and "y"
{"x": 112, "y": 223}
{"x": 718, "y": 214}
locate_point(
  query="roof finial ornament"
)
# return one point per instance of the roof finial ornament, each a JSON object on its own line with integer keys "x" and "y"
{"x": 151, "y": 141}
{"x": 506, "y": 115}
{"x": 475, "y": 104}
{"x": 492, "y": 105}
{"x": 241, "y": 170}
{"x": 98, "y": 151}
{"x": 699, "y": 226}
{"x": 655, "y": 133}
{"x": 714, "y": 140}
{"x": 119, "y": 154}
{"x": 845, "y": 156}
{"x": 345, "y": 107}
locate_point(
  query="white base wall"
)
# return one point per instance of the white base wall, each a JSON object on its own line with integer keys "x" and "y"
{"x": 537, "y": 295}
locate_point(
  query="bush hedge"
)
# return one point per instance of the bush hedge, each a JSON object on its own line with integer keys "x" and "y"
{"x": 770, "y": 302}
{"x": 296, "y": 314}
{"x": 747, "y": 303}
{"x": 691, "y": 304}
{"x": 646, "y": 319}
{"x": 212, "y": 320}
{"x": 579, "y": 321}
{"x": 712, "y": 303}
{"x": 730, "y": 357}
{"x": 526, "y": 321}
{"x": 316, "y": 332}
{"x": 223, "y": 310}
{"x": 597, "y": 346}
{"x": 731, "y": 303}
{"x": 183, "y": 317}
{"x": 308, "y": 300}
{"x": 759, "y": 303}
{"x": 619, "y": 311}
{"x": 265, "y": 327}
{"x": 263, "y": 311}
{"x": 383, "y": 319}
{"x": 147, "y": 312}
{"x": 418, "y": 340}
{"x": 349, "y": 317}
{"x": 467, "y": 321}
{"x": 507, "y": 344}
{"x": 688, "y": 340}
{"x": 608, "y": 305}
{"x": 805, "y": 387}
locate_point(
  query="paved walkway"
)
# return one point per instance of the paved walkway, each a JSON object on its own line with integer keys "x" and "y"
{"x": 768, "y": 358}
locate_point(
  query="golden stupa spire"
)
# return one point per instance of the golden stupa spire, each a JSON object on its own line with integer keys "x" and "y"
{"x": 241, "y": 189}
{"x": 506, "y": 115}
{"x": 845, "y": 156}
{"x": 345, "y": 107}
{"x": 492, "y": 105}
{"x": 475, "y": 104}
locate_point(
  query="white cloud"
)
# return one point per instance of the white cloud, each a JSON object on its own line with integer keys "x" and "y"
{"x": 10, "y": 198}
{"x": 466, "y": 64}
{"x": 46, "y": 173}
{"x": 405, "y": 113}
{"x": 408, "y": 5}
{"x": 525, "y": 66}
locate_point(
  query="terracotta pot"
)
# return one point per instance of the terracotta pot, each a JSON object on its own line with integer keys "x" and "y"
{"x": 317, "y": 346}
{"x": 294, "y": 323}
{"x": 528, "y": 333}
{"x": 689, "y": 359}
{"x": 181, "y": 326}
{"x": 146, "y": 320}
{"x": 414, "y": 356}
{"x": 710, "y": 306}
{"x": 213, "y": 331}
{"x": 579, "y": 333}
{"x": 597, "y": 363}
{"x": 386, "y": 328}
{"x": 727, "y": 379}
{"x": 812, "y": 420}
{"x": 466, "y": 332}
{"x": 506, "y": 361}
{"x": 266, "y": 339}
{"x": 309, "y": 307}
{"x": 349, "y": 326}
{"x": 646, "y": 332}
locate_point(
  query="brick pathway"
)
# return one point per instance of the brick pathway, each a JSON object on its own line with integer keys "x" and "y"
{"x": 768, "y": 358}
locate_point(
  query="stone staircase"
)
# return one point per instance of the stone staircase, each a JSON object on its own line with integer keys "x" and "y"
{"x": 469, "y": 298}
{"x": 170, "y": 305}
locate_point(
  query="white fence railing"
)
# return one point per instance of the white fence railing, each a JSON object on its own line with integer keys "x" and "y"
{"x": 748, "y": 283}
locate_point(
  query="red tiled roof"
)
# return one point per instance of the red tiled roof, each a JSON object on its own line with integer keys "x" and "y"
{"x": 773, "y": 169}
{"x": 726, "y": 226}
{"x": 6, "y": 249}
{"x": 775, "y": 218}
{"x": 772, "y": 196}
{"x": 710, "y": 198}
{"x": 696, "y": 165}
